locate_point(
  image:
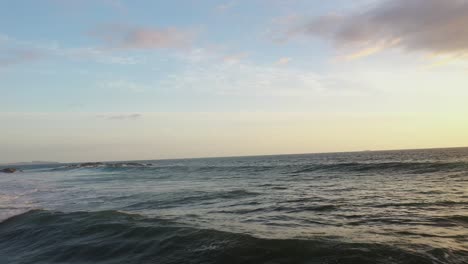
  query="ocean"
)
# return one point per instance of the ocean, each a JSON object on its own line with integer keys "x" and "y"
{"x": 362, "y": 207}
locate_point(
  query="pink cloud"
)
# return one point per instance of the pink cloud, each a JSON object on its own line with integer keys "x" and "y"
{"x": 127, "y": 37}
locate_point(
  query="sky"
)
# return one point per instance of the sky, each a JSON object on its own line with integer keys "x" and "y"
{"x": 88, "y": 80}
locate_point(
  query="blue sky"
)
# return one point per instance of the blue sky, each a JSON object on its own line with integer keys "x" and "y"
{"x": 69, "y": 66}
{"x": 127, "y": 63}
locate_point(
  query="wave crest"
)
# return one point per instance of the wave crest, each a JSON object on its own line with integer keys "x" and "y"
{"x": 116, "y": 237}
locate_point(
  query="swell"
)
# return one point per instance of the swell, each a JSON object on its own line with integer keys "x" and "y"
{"x": 113, "y": 237}
{"x": 407, "y": 167}
{"x": 111, "y": 166}
{"x": 446, "y": 203}
{"x": 461, "y": 220}
{"x": 182, "y": 199}
{"x": 281, "y": 209}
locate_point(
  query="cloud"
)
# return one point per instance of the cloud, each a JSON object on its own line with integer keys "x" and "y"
{"x": 226, "y": 6}
{"x": 130, "y": 37}
{"x": 15, "y": 51}
{"x": 10, "y": 57}
{"x": 245, "y": 78}
{"x": 235, "y": 58}
{"x": 434, "y": 26}
{"x": 120, "y": 116}
{"x": 123, "y": 85}
{"x": 85, "y": 5}
{"x": 4, "y": 38}
{"x": 117, "y": 5}
{"x": 99, "y": 55}
{"x": 283, "y": 61}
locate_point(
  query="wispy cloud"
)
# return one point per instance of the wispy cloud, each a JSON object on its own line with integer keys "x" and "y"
{"x": 120, "y": 116}
{"x": 134, "y": 37}
{"x": 84, "y": 5}
{"x": 15, "y": 51}
{"x": 250, "y": 79}
{"x": 235, "y": 58}
{"x": 97, "y": 54}
{"x": 225, "y": 6}
{"x": 4, "y": 38}
{"x": 432, "y": 26}
{"x": 124, "y": 85}
{"x": 117, "y": 5}
{"x": 10, "y": 57}
{"x": 283, "y": 61}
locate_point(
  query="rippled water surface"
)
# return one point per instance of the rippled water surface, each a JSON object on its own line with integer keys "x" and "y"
{"x": 364, "y": 207}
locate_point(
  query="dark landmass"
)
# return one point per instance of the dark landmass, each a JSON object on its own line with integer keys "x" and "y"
{"x": 87, "y": 165}
{"x": 9, "y": 170}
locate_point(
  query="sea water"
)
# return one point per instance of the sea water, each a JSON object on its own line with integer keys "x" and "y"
{"x": 361, "y": 207}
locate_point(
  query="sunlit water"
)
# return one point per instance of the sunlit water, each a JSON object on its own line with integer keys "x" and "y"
{"x": 365, "y": 207}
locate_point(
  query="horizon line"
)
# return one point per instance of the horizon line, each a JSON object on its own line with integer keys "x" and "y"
{"x": 235, "y": 156}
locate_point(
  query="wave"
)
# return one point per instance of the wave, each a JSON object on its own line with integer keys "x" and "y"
{"x": 191, "y": 198}
{"x": 292, "y": 169}
{"x": 457, "y": 220}
{"x": 41, "y": 236}
{"x": 409, "y": 167}
{"x": 102, "y": 165}
{"x": 422, "y": 204}
{"x": 283, "y": 209}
